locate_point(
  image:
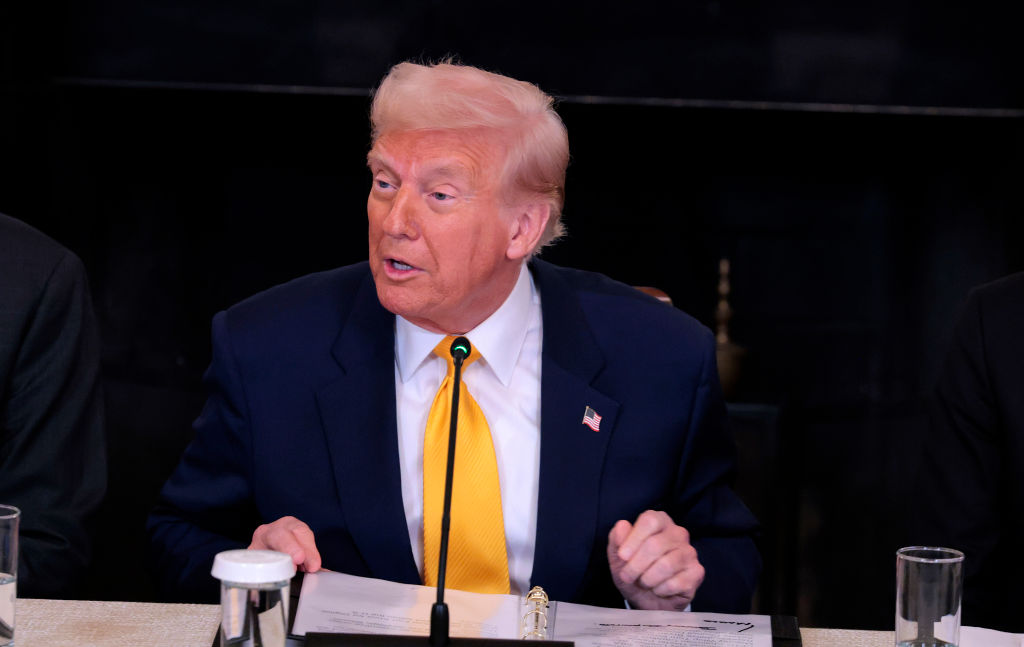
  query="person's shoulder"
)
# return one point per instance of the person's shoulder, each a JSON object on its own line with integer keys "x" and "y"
{"x": 995, "y": 311}
{"x": 622, "y": 309}
{"x": 27, "y": 245}
{"x": 1002, "y": 292}
{"x": 32, "y": 262}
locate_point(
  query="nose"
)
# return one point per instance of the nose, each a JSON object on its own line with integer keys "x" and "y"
{"x": 400, "y": 219}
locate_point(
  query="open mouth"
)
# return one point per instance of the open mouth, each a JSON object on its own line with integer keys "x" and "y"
{"x": 399, "y": 269}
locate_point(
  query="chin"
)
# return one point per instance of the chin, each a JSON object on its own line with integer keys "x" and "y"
{"x": 396, "y": 300}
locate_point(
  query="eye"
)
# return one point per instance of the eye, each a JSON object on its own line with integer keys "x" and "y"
{"x": 382, "y": 184}
{"x": 441, "y": 196}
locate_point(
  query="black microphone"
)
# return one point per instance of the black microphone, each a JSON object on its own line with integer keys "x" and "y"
{"x": 439, "y": 620}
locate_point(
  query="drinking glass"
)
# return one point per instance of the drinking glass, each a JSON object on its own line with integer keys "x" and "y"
{"x": 929, "y": 588}
{"x": 9, "y": 518}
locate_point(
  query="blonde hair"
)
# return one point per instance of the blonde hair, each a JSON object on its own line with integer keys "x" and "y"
{"x": 449, "y": 96}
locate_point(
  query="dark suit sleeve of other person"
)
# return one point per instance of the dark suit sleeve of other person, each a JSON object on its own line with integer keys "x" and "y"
{"x": 971, "y": 493}
{"x": 52, "y": 447}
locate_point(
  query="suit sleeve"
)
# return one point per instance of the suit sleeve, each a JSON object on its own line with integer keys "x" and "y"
{"x": 962, "y": 458}
{"x": 206, "y": 505}
{"x": 52, "y": 444}
{"x": 720, "y": 526}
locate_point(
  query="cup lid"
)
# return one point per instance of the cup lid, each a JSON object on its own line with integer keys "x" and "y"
{"x": 253, "y": 566}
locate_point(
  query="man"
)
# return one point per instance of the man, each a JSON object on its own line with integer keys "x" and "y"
{"x": 971, "y": 494}
{"x": 52, "y": 444}
{"x": 602, "y": 413}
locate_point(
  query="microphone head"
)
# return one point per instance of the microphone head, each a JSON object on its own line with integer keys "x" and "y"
{"x": 461, "y": 348}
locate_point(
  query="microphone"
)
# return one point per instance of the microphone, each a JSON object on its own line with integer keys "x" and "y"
{"x": 439, "y": 620}
{"x": 460, "y": 350}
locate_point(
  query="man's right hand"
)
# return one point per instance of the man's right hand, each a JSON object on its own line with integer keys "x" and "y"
{"x": 289, "y": 535}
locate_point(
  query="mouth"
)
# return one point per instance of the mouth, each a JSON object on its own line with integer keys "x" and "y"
{"x": 399, "y": 269}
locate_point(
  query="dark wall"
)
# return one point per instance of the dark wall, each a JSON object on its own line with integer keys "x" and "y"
{"x": 910, "y": 52}
{"x": 854, "y": 233}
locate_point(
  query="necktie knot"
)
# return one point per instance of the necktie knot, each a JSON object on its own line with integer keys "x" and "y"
{"x": 444, "y": 351}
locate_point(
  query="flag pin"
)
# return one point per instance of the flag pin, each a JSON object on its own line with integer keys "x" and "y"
{"x": 591, "y": 419}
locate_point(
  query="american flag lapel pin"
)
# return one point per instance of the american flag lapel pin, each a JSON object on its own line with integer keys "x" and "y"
{"x": 591, "y": 419}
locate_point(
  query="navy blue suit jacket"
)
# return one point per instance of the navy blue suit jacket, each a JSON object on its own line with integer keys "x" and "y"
{"x": 300, "y": 421}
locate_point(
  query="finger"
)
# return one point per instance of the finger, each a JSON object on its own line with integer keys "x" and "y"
{"x": 618, "y": 535}
{"x": 645, "y": 557}
{"x": 677, "y": 560}
{"x": 276, "y": 536}
{"x": 683, "y": 584}
{"x": 304, "y": 536}
{"x": 666, "y": 552}
{"x": 291, "y": 536}
{"x": 647, "y": 524}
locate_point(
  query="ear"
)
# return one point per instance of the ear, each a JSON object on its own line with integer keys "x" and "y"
{"x": 527, "y": 226}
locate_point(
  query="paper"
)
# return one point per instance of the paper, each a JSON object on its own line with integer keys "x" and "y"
{"x": 599, "y": 627}
{"x": 978, "y": 637}
{"x": 338, "y": 603}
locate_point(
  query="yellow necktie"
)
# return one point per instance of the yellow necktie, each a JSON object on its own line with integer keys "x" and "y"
{"x": 477, "y": 560}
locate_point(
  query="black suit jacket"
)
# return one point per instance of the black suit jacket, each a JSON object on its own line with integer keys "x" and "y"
{"x": 52, "y": 449}
{"x": 972, "y": 477}
{"x": 301, "y": 421}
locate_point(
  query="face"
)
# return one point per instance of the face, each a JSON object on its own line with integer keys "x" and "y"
{"x": 445, "y": 247}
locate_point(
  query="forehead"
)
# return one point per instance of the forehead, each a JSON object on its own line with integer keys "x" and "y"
{"x": 473, "y": 152}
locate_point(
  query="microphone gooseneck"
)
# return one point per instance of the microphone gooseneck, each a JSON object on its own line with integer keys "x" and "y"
{"x": 439, "y": 621}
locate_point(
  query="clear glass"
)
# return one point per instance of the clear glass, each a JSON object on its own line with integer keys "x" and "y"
{"x": 929, "y": 588}
{"x": 254, "y": 615}
{"x": 9, "y": 518}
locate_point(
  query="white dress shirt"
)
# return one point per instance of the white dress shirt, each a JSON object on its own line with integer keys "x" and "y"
{"x": 505, "y": 382}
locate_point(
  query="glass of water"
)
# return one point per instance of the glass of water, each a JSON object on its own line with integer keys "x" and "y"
{"x": 254, "y": 597}
{"x": 929, "y": 588}
{"x": 9, "y": 517}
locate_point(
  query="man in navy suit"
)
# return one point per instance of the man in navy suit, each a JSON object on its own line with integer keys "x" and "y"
{"x": 602, "y": 404}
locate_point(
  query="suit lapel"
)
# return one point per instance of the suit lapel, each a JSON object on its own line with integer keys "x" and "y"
{"x": 571, "y": 454}
{"x": 358, "y": 414}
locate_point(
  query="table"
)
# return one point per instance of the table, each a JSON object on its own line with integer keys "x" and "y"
{"x": 79, "y": 623}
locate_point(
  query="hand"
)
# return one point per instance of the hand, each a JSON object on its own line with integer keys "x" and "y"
{"x": 289, "y": 535}
{"x": 653, "y": 564}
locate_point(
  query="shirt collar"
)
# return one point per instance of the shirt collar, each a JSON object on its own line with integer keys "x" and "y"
{"x": 499, "y": 338}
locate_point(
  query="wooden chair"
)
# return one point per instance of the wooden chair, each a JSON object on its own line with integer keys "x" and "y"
{"x": 655, "y": 292}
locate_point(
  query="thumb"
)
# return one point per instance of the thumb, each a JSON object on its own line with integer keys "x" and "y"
{"x": 617, "y": 535}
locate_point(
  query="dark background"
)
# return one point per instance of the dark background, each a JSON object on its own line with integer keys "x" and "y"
{"x": 858, "y": 162}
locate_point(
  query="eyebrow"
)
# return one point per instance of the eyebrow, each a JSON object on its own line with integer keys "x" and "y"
{"x": 445, "y": 169}
{"x": 453, "y": 170}
{"x": 374, "y": 158}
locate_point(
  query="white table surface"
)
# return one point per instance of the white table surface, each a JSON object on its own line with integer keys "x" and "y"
{"x": 79, "y": 623}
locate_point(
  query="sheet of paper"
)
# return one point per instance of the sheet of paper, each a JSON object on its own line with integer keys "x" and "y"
{"x": 978, "y": 637}
{"x": 599, "y": 627}
{"x": 339, "y": 603}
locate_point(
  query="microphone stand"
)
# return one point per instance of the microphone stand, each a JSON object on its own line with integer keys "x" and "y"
{"x": 439, "y": 618}
{"x": 439, "y": 612}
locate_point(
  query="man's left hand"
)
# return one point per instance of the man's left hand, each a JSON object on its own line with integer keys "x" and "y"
{"x": 653, "y": 564}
